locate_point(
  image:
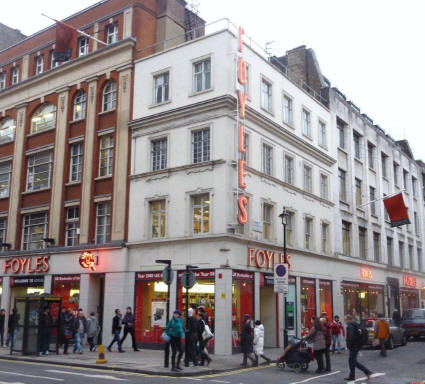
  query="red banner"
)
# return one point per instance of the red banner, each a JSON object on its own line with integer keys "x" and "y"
{"x": 397, "y": 210}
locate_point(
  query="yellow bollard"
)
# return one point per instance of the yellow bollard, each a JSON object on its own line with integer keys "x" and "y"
{"x": 101, "y": 355}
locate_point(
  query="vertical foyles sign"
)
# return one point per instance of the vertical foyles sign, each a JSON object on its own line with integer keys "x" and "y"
{"x": 241, "y": 90}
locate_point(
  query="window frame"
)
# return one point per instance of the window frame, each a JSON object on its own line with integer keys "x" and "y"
{"x": 80, "y": 100}
{"x": 357, "y": 150}
{"x": 341, "y": 126}
{"x": 38, "y": 118}
{"x": 79, "y": 156}
{"x": 269, "y": 95}
{"x": 306, "y": 123}
{"x": 26, "y": 227}
{"x": 83, "y": 49}
{"x": 371, "y": 148}
{"x": 206, "y": 75}
{"x": 32, "y": 174}
{"x": 204, "y": 152}
{"x": 39, "y": 64}
{"x": 72, "y": 226}
{"x": 358, "y": 190}
{"x": 165, "y": 87}
{"x": 5, "y": 130}
{"x": 2, "y": 81}
{"x": 8, "y": 172}
{"x": 105, "y": 234}
{"x": 203, "y": 205}
{"x": 376, "y": 246}
{"x": 346, "y": 238}
{"x": 288, "y": 112}
{"x": 161, "y": 215}
{"x": 322, "y": 137}
{"x": 14, "y": 76}
{"x": 384, "y": 165}
{"x": 109, "y": 150}
{"x": 308, "y": 186}
{"x": 3, "y": 229}
{"x": 267, "y": 220}
{"x": 109, "y": 96}
{"x": 308, "y": 232}
{"x": 325, "y": 237}
{"x": 163, "y": 154}
{"x": 267, "y": 159}
{"x": 112, "y": 33}
{"x": 362, "y": 232}
{"x": 326, "y": 190}
{"x": 289, "y": 179}
{"x": 342, "y": 192}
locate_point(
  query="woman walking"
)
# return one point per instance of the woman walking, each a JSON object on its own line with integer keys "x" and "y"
{"x": 175, "y": 330}
{"x": 259, "y": 342}
{"x": 246, "y": 341}
{"x": 68, "y": 329}
{"x": 203, "y": 342}
{"x": 93, "y": 329}
{"x": 317, "y": 337}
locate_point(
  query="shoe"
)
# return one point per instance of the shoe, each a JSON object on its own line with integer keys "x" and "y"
{"x": 179, "y": 369}
{"x": 369, "y": 375}
{"x": 319, "y": 371}
{"x": 66, "y": 353}
{"x": 209, "y": 361}
{"x": 121, "y": 351}
{"x": 136, "y": 350}
{"x": 349, "y": 378}
{"x": 269, "y": 361}
{"x": 109, "y": 349}
{"x": 174, "y": 370}
{"x": 244, "y": 365}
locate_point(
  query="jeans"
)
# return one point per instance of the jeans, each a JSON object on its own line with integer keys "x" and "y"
{"x": 319, "y": 359}
{"x": 382, "y": 345}
{"x": 336, "y": 343}
{"x": 11, "y": 334}
{"x": 116, "y": 339}
{"x": 2, "y": 336}
{"x": 78, "y": 340}
{"x": 45, "y": 340}
{"x": 176, "y": 346}
{"x": 353, "y": 364}
{"x": 129, "y": 330}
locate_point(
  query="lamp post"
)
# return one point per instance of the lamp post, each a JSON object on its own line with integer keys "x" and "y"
{"x": 284, "y": 217}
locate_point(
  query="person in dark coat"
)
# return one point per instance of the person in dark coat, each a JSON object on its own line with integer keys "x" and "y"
{"x": 396, "y": 317}
{"x": 45, "y": 331}
{"x": 12, "y": 327}
{"x": 247, "y": 341}
{"x": 129, "y": 322}
{"x": 116, "y": 330}
{"x": 191, "y": 337}
{"x": 328, "y": 339}
{"x": 202, "y": 346}
{"x": 2, "y": 323}
{"x": 61, "y": 323}
{"x": 68, "y": 329}
{"x": 317, "y": 338}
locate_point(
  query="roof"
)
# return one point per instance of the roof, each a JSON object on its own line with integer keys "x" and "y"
{"x": 9, "y": 36}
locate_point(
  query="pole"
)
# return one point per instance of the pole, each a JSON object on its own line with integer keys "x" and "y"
{"x": 285, "y": 325}
{"x": 167, "y": 345}
{"x": 187, "y": 292}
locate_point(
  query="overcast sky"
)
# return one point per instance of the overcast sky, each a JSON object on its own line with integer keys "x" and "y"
{"x": 372, "y": 50}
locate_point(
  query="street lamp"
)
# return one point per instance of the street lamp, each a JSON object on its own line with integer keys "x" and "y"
{"x": 284, "y": 217}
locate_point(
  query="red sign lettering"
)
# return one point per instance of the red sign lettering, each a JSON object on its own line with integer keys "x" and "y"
{"x": 18, "y": 265}
{"x": 409, "y": 281}
{"x": 366, "y": 273}
{"x": 264, "y": 259}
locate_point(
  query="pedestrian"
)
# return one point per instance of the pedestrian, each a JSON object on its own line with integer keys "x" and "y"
{"x": 129, "y": 323}
{"x": 2, "y": 323}
{"x": 247, "y": 341}
{"x": 68, "y": 329}
{"x": 175, "y": 331}
{"x": 116, "y": 330}
{"x": 203, "y": 321}
{"x": 12, "y": 327}
{"x": 80, "y": 328}
{"x": 327, "y": 333}
{"x": 259, "y": 342}
{"x": 396, "y": 317}
{"x": 382, "y": 333}
{"x": 61, "y": 337}
{"x": 317, "y": 338}
{"x": 93, "y": 330}
{"x": 45, "y": 330}
{"x": 191, "y": 333}
{"x": 354, "y": 343}
{"x": 337, "y": 331}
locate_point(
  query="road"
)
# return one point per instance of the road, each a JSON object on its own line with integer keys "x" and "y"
{"x": 403, "y": 365}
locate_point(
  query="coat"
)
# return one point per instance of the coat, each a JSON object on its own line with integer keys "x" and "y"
{"x": 327, "y": 334}
{"x": 175, "y": 328}
{"x": 382, "y": 330}
{"x": 2, "y": 321}
{"x": 116, "y": 324}
{"x": 192, "y": 328}
{"x": 352, "y": 336}
{"x": 92, "y": 327}
{"x": 317, "y": 337}
{"x": 128, "y": 321}
{"x": 259, "y": 339}
{"x": 77, "y": 324}
{"x": 68, "y": 325}
{"x": 246, "y": 337}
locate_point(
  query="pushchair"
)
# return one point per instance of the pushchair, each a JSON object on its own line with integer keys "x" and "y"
{"x": 297, "y": 355}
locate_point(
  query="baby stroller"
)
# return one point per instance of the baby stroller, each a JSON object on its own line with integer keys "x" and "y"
{"x": 297, "y": 355}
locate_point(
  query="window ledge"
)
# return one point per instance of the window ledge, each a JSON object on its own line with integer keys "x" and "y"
{"x": 385, "y": 178}
{"x": 103, "y": 177}
{"x": 72, "y": 183}
{"x": 372, "y": 170}
{"x": 358, "y": 160}
{"x": 307, "y": 137}
{"x": 201, "y": 92}
{"x": 40, "y": 132}
{"x": 342, "y": 150}
{"x": 37, "y": 190}
{"x": 106, "y": 112}
{"x": 77, "y": 121}
{"x": 271, "y": 113}
{"x": 4, "y": 197}
{"x": 159, "y": 104}
{"x": 325, "y": 147}
{"x": 374, "y": 216}
{"x": 6, "y": 142}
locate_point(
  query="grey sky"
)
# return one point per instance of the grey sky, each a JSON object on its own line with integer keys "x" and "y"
{"x": 372, "y": 50}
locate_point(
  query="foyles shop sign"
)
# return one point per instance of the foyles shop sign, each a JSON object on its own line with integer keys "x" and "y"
{"x": 26, "y": 265}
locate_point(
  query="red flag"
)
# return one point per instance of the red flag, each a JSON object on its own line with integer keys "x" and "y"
{"x": 66, "y": 37}
{"x": 397, "y": 211}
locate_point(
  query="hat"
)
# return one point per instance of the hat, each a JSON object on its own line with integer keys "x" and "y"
{"x": 178, "y": 312}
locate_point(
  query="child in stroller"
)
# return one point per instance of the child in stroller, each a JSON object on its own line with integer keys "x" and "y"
{"x": 297, "y": 355}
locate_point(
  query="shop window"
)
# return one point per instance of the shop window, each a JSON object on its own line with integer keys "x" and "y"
{"x": 326, "y": 303}
{"x": 201, "y": 214}
{"x": 157, "y": 218}
{"x": 362, "y": 300}
{"x": 67, "y": 288}
{"x": 242, "y": 302}
{"x": 44, "y": 118}
{"x": 7, "y": 130}
{"x": 291, "y": 307}
{"x": 409, "y": 298}
{"x": 308, "y": 302}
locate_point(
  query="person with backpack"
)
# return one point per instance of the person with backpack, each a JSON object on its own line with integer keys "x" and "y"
{"x": 382, "y": 332}
{"x": 356, "y": 336}
{"x": 337, "y": 331}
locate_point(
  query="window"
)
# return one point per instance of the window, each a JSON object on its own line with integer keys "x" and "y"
{"x": 267, "y": 221}
{"x": 414, "y": 187}
{"x": 106, "y": 155}
{"x": 267, "y": 159}
{"x": 112, "y": 33}
{"x": 76, "y": 162}
{"x": 266, "y": 95}
{"x": 71, "y": 226}
{"x": 83, "y": 46}
{"x": 39, "y": 65}
{"x": 103, "y": 223}
{"x": 356, "y": 141}
{"x": 401, "y": 254}
{"x": 290, "y": 228}
{"x": 411, "y": 259}
{"x": 372, "y": 196}
{"x": 376, "y": 246}
{"x": 289, "y": 169}
{"x": 53, "y": 63}
{"x": 34, "y": 231}
{"x": 306, "y": 121}
{"x": 287, "y": 110}
{"x": 159, "y": 154}
{"x": 324, "y": 186}
{"x": 390, "y": 251}
{"x": 322, "y": 134}
{"x": 109, "y": 98}
{"x": 44, "y": 118}
{"x": 340, "y": 126}
{"x": 201, "y": 145}
{"x": 157, "y": 218}
{"x": 161, "y": 88}
{"x": 39, "y": 171}
{"x": 308, "y": 183}
{"x": 244, "y": 156}
{"x": 342, "y": 185}
{"x": 362, "y": 243}
{"x": 420, "y": 263}
{"x": 346, "y": 246}
{"x": 5, "y": 172}
{"x": 405, "y": 180}
{"x": 308, "y": 233}
{"x": 384, "y": 165}
{"x": 7, "y": 130}
{"x": 202, "y": 75}
{"x": 15, "y": 75}
{"x": 415, "y": 215}
{"x": 358, "y": 184}
{"x": 201, "y": 214}
{"x": 325, "y": 237}
{"x": 371, "y": 155}
{"x": 2, "y": 229}
{"x": 80, "y": 100}
{"x": 2, "y": 81}
{"x": 395, "y": 171}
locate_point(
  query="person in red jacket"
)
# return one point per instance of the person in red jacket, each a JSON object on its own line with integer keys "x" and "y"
{"x": 337, "y": 331}
{"x": 327, "y": 333}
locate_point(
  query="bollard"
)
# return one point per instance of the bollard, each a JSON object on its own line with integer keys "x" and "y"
{"x": 101, "y": 355}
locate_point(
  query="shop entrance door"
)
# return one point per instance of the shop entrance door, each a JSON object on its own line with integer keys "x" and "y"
{"x": 268, "y": 316}
{"x": 393, "y": 295}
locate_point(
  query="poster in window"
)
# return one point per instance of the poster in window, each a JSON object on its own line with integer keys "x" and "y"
{"x": 159, "y": 316}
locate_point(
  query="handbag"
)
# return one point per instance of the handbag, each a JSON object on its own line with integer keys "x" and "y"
{"x": 375, "y": 342}
{"x": 166, "y": 337}
{"x": 207, "y": 334}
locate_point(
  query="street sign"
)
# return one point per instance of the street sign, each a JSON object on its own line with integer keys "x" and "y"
{"x": 188, "y": 279}
{"x": 281, "y": 272}
{"x": 167, "y": 275}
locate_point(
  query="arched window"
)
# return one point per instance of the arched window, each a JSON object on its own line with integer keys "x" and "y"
{"x": 79, "y": 105}
{"x": 109, "y": 98}
{"x": 43, "y": 118}
{"x": 7, "y": 130}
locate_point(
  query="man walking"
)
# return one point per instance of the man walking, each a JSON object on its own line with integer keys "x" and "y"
{"x": 93, "y": 330}
{"x": 80, "y": 328}
{"x": 116, "y": 330}
{"x": 2, "y": 322}
{"x": 191, "y": 333}
{"x": 129, "y": 322}
{"x": 354, "y": 343}
{"x": 382, "y": 332}
{"x": 337, "y": 331}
